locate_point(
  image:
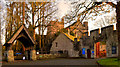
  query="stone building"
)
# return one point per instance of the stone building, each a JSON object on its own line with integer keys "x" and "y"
{"x": 65, "y": 44}
{"x": 53, "y": 30}
{"x": 105, "y": 37}
{"x": 55, "y": 26}
{"x": 78, "y": 28}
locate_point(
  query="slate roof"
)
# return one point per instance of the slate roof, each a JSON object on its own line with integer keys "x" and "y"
{"x": 16, "y": 34}
{"x": 70, "y": 37}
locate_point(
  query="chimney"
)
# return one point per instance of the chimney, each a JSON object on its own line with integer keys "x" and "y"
{"x": 62, "y": 20}
{"x": 86, "y": 25}
{"x": 75, "y": 40}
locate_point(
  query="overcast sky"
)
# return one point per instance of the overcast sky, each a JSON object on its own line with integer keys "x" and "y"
{"x": 65, "y": 7}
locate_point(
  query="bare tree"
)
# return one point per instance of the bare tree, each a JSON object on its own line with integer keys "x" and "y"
{"x": 84, "y": 9}
{"x": 0, "y": 25}
{"x": 104, "y": 21}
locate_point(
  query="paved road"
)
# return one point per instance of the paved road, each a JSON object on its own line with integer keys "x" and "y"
{"x": 54, "y": 62}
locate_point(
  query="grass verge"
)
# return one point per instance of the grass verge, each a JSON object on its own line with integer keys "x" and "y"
{"x": 109, "y": 62}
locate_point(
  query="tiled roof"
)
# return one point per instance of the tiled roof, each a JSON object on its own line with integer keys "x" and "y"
{"x": 16, "y": 34}
{"x": 71, "y": 37}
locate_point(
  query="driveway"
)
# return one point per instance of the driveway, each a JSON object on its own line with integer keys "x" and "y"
{"x": 54, "y": 62}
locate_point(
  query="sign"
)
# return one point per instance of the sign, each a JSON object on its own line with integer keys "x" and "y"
{"x": 113, "y": 49}
{"x": 92, "y": 52}
{"x": 83, "y": 50}
{"x": 18, "y": 53}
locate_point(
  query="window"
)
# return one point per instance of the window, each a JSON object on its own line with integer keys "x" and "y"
{"x": 56, "y": 44}
{"x": 66, "y": 52}
{"x": 113, "y": 49}
{"x": 60, "y": 52}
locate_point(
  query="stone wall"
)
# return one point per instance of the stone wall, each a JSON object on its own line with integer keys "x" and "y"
{"x": 10, "y": 55}
{"x": 49, "y": 56}
{"x": 107, "y": 35}
{"x": 33, "y": 55}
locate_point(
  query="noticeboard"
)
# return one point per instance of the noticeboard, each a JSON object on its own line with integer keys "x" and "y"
{"x": 113, "y": 49}
{"x": 83, "y": 50}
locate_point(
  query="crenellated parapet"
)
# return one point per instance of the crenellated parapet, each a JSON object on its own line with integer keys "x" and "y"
{"x": 107, "y": 35}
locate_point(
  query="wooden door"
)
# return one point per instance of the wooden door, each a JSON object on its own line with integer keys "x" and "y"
{"x": 97, "y": 49}
{"x": 88, "y": 53}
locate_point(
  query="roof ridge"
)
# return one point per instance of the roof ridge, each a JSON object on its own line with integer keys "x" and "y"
{"x": 70, "y": 37}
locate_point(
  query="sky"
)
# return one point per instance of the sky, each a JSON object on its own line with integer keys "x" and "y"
{"x": 64, "y": 7}
{"x": 2, "y": 14}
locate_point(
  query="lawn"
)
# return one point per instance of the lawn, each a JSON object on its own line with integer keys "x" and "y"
{"x": 109, "y": 61}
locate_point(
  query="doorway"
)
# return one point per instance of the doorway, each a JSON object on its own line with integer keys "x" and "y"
{"x": 100, "y": 50}
{"x": 88, "y": 53}
{"x": 19, "y": 50}
{"x": 27, "y": 55}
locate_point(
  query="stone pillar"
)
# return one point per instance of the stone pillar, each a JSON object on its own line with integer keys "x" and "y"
{"x": 26, "y": 55}
{"x": 33, "y": 55}
{"x": 10, "y": 55}
{"x": 94, "y": 50}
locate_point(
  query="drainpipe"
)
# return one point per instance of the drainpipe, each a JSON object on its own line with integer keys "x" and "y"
{"x": 75, "y": 40}
{"x": 76, "y": 48}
